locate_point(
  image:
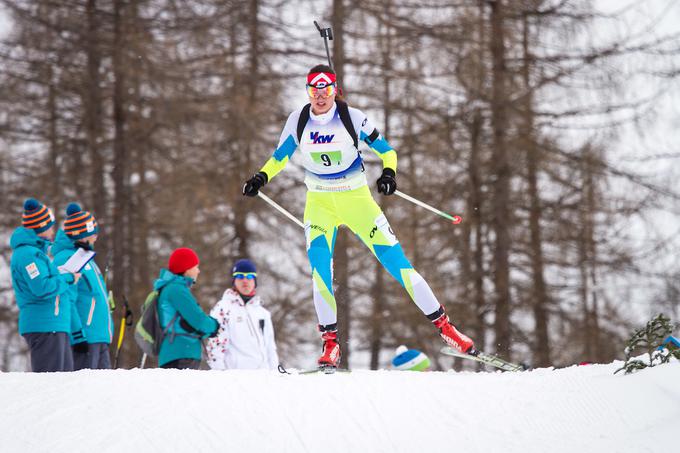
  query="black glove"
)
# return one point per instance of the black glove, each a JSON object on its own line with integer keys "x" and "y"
{"x": 386, "y": 183}
{"x": 81, "y": 347}
{"x": 253, "y": 185}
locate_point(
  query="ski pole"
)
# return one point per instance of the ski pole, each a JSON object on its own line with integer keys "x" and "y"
{"x": 327, "y": 35}
{"x": 111, "y": 301}
{"x": 280, "y": 209}
{"x": 455, "y": 219}
{"x": 126, "y": 320}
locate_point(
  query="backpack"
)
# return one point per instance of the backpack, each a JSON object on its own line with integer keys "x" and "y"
{"x": 343, "y": 112}
{"x": 149, "y": 332}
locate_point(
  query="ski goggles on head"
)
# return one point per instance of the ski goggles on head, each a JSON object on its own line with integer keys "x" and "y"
{"x": 324, "y": 91}
{"x": 242, "y": 275}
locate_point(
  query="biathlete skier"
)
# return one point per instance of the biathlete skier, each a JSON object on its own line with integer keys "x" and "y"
{"x": 327, "y": 132}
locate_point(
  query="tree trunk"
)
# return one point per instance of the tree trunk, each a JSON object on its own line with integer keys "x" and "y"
{"x": 55, "y": 178}
{"x": 501, "y": 184}
{"x": 476, "y": 274}
{"x": 539, "y": 294}
{"x": 341, "y": 258}
{"x": 378, "y": 288}
{"x": 249, "y": 138}
{"x": 93, "y": 124}
{"x": 140, "y": 130}
{"x": 476, "y": 192}
{"x": 588, "y": 262}
{"x": 120, "y": 157}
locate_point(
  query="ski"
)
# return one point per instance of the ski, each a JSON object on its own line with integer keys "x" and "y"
{"x": 487, "y": 359}
{"x": 321, "y": 369}
{"x": 324, "y": 370}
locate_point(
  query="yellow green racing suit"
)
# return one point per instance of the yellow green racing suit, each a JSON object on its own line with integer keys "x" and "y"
{"x": 337, "y": 195}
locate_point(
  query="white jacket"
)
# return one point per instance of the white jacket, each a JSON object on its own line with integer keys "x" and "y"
{"x": 245, "y": 339}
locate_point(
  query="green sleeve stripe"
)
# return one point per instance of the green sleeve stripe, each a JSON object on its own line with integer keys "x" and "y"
{"x": 274, "y": 166}
{"x": 389, "y": 159}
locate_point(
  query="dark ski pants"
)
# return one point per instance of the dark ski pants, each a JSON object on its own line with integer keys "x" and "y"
{"x": 97, "y": 357}
{"x": 183, "y": 364}
{"x": 50, "y": 351}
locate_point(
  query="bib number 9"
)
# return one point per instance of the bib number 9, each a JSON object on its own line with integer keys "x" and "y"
{"x": 328, "y": 158}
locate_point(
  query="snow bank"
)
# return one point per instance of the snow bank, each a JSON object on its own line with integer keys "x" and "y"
{"x": 578, "y": 409}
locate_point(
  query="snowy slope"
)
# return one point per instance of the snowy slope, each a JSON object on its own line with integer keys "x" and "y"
{"x": 578, "y": 409}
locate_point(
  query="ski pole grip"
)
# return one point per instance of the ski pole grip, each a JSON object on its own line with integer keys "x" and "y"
{"x": 324, "y": 32}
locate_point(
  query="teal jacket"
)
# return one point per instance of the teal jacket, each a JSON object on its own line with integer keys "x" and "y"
{"x": 176, "y": 302}
{"x": 38, "y": 285}
{"x": 89, "y": 296}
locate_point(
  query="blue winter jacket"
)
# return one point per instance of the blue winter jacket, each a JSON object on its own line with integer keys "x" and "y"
{"x": 38, "y": 285}
{"x": 176, "y": 302}
{"x": 89, "y": 295}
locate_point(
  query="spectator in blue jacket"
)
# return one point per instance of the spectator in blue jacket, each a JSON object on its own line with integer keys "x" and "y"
{"x": 90, "y": 296}
{"x": 186, "y": 323}
{"x": 44, "y": 321}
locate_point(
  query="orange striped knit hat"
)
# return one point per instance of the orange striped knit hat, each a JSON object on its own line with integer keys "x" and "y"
{"x": 79, "y": 224}
{"x": 37, "y": 216}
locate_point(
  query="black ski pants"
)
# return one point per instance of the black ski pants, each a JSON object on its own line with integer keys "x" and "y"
{"x": 183, "y": 364}
{"x": 50, "y": 351}
{"x": 97, "y": 357}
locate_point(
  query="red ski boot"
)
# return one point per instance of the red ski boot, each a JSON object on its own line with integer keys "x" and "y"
{"x": 452, "y": 336}
{"x": 331, "y": 350}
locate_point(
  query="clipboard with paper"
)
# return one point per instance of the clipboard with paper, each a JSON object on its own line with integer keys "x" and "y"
{"x": 77, "y": 261}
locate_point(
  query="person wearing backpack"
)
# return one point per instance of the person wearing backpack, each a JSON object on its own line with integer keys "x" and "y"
{"x": 45, "y": 314}
{"x": 181, "y": 318}
{"x": 246, "y": 336}
{"x": 90, "y": 296}
{"x": 327, "y": 132}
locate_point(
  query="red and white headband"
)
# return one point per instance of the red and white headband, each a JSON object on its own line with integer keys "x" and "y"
{"x": 320, "y": 79}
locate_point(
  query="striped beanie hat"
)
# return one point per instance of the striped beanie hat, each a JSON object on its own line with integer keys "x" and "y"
{"x": 37, "y": 216}
{"x": 410, "y": 360}
{"x": 79, "y": 224}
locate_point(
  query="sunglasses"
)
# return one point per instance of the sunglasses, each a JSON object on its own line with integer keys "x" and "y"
{"x": 242, "y": 275}
{"x": 327, "y": 91}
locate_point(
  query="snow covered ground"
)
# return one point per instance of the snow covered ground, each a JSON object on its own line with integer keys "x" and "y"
{"x": 578, "y": 409}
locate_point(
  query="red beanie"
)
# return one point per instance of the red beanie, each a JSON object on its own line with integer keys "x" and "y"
{"x": 182, "y": 260}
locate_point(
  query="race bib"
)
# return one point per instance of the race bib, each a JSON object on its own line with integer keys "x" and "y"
{"x": 32, "y": 270}
{"x": 327, "y": 158}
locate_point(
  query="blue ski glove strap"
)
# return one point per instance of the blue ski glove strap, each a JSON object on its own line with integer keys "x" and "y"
{"x": 253, "y": 185}
{"x": 386, "y": 183}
